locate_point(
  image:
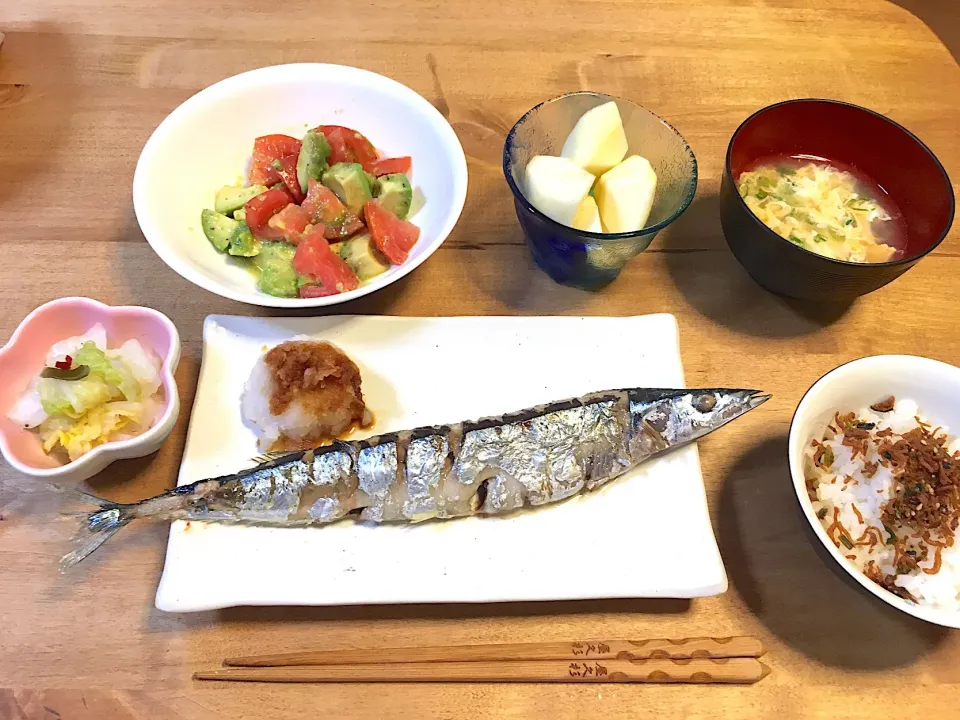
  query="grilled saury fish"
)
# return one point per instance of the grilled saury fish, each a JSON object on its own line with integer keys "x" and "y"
{"x": 484, "y": 467}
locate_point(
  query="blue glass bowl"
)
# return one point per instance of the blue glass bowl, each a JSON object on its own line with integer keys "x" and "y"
{"x": 576, "y": 257}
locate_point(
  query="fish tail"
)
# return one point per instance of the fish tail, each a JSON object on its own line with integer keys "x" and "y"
{"x": 95, "y": 527}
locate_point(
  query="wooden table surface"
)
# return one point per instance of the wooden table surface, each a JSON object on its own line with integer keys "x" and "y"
{"x": 84, "y": 83}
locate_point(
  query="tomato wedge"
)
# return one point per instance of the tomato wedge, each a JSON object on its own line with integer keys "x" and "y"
{"x": 263, "y": 173}
{"x": 363, "y": 149}
{"x": 288, "y": 173}
{"x": 266, "y": 149}
{"x": 316, "y": 260}
{"x": 315, "y": 291}
{"x": 260, "y": 209}
{"x": 392, "y": 236}
{"x": 343, "y": 228}
{"x": 388, "y": 166}
{"x": 321, "y": 204}
{"x": 347, "y": 145}
{"x": 291, "y": 222}
{"x": 274, "y": 147}
{"x": 339, "y": 152}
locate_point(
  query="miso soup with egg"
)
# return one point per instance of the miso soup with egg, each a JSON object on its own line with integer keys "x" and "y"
{"x": 824, "y": 208}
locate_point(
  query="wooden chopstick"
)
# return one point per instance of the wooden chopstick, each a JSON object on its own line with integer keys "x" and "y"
{"x": 731, "y": 670}
{"x": 690, "y": 648}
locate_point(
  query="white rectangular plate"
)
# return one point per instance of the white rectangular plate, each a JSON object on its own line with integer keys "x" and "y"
{"x": 647, "y": 534}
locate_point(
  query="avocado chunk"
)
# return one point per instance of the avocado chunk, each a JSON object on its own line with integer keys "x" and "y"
{"x": 218, "y": 228}
{"x": 362, "y": 257}
{"x": 349, "y": 183}
{"x": 395, "y": 194}
{"x": 242, "y": 242}
{"x": 240, "y": 215}
{"x": 312, "y": 161}
{"x": 230, "y": 198}
{"x": 277, "y": 276}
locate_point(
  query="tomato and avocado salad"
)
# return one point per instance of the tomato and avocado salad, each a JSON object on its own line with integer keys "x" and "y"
{"x": 319, "y": 216}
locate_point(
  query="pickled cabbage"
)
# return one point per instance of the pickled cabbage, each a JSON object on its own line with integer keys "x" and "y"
{"x": 117, "y": 399}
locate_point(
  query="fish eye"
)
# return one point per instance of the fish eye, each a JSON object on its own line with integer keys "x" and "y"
{"x": 705, "y": 403}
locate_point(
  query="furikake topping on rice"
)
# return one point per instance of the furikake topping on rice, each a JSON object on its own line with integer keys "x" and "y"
{"x": 927, "y": 489}
{"x": 920, "y": 512}
{"x": 884, "y": 406}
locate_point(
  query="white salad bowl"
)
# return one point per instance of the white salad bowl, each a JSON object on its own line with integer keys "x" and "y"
{"x": 207, "y": 141}
{"x": 23, "y": 357}
{"x": 935, "y": 386}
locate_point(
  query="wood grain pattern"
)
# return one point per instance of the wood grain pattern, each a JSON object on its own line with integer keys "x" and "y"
{"x": 84, "y": 83}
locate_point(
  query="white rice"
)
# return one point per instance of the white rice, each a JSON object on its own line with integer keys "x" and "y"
{"x": 294, "y": 423}
{"x": 844, "y": 485}
{"x": 301, "y": 421}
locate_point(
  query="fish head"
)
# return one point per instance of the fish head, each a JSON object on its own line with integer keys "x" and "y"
{"x": 685, "y": 416}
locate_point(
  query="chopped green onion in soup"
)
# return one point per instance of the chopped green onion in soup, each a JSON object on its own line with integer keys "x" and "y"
{"x": 817, "y": 207}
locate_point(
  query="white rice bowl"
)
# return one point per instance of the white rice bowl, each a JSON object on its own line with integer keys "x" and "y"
{"x": 934, "y": 385}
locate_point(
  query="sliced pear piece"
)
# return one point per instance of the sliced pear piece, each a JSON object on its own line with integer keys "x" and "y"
{"x": 587, "y": 216}
{"x": 556, "y": 186}
{"x": 625, "y": 195}
{"x": 597, "y": 142}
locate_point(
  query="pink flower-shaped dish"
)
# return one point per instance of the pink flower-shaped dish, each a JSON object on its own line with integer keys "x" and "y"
{"x": 22, "y": 358}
